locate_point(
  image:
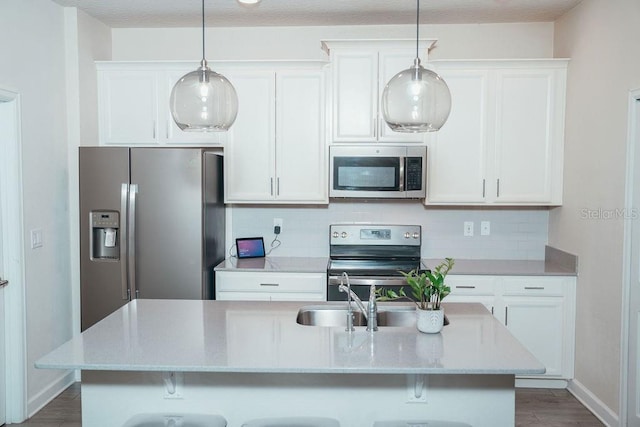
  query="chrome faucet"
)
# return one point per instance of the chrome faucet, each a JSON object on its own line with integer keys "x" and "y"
{"x": 372, "y": 317}
{"x": 370, "y": 313}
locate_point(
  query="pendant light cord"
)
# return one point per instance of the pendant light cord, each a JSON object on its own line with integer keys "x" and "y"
{"x": 417, "y": 27}
{"x": 203, "y": 56}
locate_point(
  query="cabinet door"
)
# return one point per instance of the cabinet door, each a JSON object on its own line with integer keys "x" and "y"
{"x": 391, "y": 63}
{"x": 457, "y": 152}
{"x": 355, "y": 95}
{"x": 169, "y": 131}
{"x": 249, "y": 153}
{"x": 300, "y": 144}
{"x": 479, "y": 289}
{"x": 128, "y": 101}
{"x": 525, "y": 133}
{"x": 538, "y": 322}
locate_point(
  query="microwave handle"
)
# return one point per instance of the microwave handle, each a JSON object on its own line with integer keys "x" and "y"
{"x": 403, "y": 161}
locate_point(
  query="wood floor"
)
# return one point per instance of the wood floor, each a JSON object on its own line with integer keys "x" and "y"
{"x": 534, "y": 407}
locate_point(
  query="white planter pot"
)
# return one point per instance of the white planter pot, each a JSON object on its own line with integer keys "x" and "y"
{"x": 429, "y": 321}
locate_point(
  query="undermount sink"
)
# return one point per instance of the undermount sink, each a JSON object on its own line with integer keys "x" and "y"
{"x": 336, "y": 315}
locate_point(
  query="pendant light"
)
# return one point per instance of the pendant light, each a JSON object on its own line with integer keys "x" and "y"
{"x": 204, "y": 100}
{"x": 416, "y": 99}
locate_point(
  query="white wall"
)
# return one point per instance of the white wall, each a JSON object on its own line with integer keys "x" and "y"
{"x": 601, "y": 37}
{"x": 50, "y": 63}
{"x": 471, "y": 41}
{"x": 87, "y": 40}
{"x": 32, "y": 64}
{"x": 515, "y": 233}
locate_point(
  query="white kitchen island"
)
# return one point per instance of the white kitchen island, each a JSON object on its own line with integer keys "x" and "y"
{"x": 246, "y": 360}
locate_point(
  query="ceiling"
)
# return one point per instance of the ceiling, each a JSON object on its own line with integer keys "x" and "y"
{"x": 229, "y": 13}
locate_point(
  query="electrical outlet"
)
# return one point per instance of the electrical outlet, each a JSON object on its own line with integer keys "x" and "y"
{"x": 485, "y": 228}
{"x": 277, "y": 222}
{"x": 468, "y": 228}
{"x": 173, "y": 384}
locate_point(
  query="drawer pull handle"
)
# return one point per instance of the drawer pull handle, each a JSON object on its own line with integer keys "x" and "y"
{"x": 534, "y": 287}
{"x": 465, "y": 287}
{"x": 269, "y": 284}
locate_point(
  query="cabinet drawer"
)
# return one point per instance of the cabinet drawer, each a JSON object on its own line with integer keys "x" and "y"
{"x": 471, "y": 285}
{"x": 534, "y": 285}
{"x": 270, "y": 296}
{"x": 270, "y": 282}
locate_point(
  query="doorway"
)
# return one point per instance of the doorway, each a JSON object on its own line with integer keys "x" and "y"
{"x": 630, "y": 378}
{"x": 12, "y": 315}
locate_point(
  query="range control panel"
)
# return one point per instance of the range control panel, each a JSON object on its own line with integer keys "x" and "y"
{"x": 375, "y": 234}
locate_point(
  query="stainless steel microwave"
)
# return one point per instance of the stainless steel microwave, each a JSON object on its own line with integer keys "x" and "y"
{"x": 377, "y": 171}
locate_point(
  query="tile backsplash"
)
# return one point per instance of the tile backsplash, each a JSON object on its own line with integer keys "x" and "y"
{"x": 516, "y": 233}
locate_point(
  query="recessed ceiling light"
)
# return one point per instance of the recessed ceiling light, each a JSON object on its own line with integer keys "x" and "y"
{"x": 249, "y": 2}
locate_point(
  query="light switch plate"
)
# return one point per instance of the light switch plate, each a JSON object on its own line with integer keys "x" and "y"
{"x": 485, "y": 228}
{"x": 468, "y": 228}
{"x": 36, "y": 238}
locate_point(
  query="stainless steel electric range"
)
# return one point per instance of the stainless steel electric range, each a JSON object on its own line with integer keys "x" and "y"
{"x": 371, "y": 254}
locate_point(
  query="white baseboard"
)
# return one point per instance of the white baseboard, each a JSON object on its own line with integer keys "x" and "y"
{"x": 595, "y": 405}
{"x": 50, "y": 392}
{"x": 540, "y": 383}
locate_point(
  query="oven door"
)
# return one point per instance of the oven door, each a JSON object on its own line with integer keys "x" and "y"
{"x": 361, "y": 285}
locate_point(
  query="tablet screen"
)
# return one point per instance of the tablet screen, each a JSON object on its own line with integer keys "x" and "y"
{"x": 250, "y": 247}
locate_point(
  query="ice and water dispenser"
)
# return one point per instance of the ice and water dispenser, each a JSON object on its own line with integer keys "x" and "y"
{"x": 105, "y": 236}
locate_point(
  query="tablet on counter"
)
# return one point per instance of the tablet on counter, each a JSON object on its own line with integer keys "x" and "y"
{"x": 250, "y": 247}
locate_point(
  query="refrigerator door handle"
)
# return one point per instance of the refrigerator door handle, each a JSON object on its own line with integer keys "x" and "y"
{"x": 131, "y": 253}
{"x": 124, "y": 197}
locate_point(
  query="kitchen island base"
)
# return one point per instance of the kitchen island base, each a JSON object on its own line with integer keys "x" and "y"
{"x": 111, "y": 398}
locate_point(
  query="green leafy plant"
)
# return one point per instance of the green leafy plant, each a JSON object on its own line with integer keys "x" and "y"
{"x": 427, "y": 288}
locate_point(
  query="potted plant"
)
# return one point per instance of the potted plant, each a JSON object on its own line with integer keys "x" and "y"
{"x": 428, "y": 289}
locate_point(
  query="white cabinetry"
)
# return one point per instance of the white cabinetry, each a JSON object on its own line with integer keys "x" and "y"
{"x": 277, "y": 151}
{"x": 270, "y": 286}
{"x": 472, "y": 289}
{"x": 133, "y": 105}
{"x": 540, "y": 313}
{"x": 538, "y": 310}
{"x": 360, "y": 69}
{"x": 503, "y": 142}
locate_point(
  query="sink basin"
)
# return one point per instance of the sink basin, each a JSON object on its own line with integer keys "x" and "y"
{"x": 336, "y": 315}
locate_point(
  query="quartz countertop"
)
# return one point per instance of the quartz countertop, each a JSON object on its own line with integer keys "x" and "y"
{"x": 241, "y": 336}
{"x": 504, "y": 267}
{"x": 276, "y": 264}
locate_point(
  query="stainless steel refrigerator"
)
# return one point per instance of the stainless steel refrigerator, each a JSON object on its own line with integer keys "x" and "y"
{"x": 151, "y": 225}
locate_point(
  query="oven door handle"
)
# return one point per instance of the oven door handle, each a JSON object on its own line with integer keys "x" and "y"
{"x": 368, "y": 281}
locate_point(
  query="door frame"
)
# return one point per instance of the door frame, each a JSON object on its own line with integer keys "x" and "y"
{"x": 13, "y": 261}
{"x": 633, "y": 145}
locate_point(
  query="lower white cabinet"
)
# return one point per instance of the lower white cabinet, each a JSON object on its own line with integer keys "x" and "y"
{"x": 270, "y": 286}
{"x": 472, "y": 289}
{"x": 538, "y": 310}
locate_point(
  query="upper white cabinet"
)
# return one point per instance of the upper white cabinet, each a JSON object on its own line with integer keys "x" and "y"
{"x": 128, "y": 106}
{"x": 276, "y": 151}
{"x": 503, "y": 142}
{"x": 133, "y": 105}
{"x": 360, "y": 69}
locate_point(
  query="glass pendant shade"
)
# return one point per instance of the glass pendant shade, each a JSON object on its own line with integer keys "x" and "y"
{"x": 204, "y": 101}
{"x": 416, "y": 100}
